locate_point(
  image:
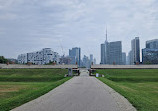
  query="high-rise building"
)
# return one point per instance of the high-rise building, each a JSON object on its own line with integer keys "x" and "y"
{"x": 86, "y": 62}
{"x": 91, "y": 59}
{"x": 152, "y": 44}
{"x": 135, "y": 45}
{"x": 102, "y": 54}
{"x": 149, "y": 56}
{"x": 129, "y": 58}
{"x": 94, "y": 61}
{"x": 75, "y": 55}
{"x": 123, "y": 58}
{"x": 135, "y": 51}
{"x": 111, "y": 52}
{"x": 105, "y": 51}
{"x": 150, "y": 53}
{"x": 115, "y": 52}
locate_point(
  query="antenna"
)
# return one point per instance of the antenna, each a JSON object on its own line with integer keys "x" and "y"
{"x": 106, "y": 34}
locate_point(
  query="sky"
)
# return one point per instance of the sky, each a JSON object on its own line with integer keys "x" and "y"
{"x": 30, "y": 25}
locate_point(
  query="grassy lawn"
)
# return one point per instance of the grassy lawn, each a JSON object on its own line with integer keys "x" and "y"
{"x": 139, "y": 86}
{"x": 18, "y": 86}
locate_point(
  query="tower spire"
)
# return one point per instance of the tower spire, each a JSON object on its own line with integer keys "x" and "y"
{"x": 106, "y": 34}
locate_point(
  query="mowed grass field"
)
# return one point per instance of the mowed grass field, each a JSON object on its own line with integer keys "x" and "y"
{"x": 18, "y": 86}
{"x": 139, "y": 86}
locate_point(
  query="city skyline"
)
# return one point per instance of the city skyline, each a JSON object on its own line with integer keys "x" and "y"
{"x": 28, "y": 26}
{"x": 82, "y": 55}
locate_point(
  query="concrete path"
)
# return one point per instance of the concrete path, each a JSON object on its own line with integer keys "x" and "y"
{"x": 81, "y": 93}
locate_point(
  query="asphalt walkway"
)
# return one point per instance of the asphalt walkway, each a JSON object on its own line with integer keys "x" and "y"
{"x": 81, "y": 93}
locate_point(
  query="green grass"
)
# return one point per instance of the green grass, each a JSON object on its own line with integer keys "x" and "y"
{"x": 18, "y": 86}
{"x": 139, "y": 86}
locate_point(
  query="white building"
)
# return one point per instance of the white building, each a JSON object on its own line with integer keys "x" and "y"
{"x": 22, "y": 58}
{"x": 44, "y": 56}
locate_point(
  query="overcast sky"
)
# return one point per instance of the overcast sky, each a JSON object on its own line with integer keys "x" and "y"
{"x": 30, "y": 25}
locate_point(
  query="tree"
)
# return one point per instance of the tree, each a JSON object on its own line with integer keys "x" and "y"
{"x": 3, "y": 60}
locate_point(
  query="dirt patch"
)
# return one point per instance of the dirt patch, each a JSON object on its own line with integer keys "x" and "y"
{"x": 10, "y": 88}
{"x": 1, "y": 94}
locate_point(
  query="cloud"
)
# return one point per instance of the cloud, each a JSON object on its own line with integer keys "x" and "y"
{"x": 29, "y": 25}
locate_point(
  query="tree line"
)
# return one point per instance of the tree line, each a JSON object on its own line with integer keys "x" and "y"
{"x": 3, "y": 60}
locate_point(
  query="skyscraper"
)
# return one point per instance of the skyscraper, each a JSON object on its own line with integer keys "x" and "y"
{"x": 102, "y": 54}
{"x": 129, "y": 58}
{"x": 105, "y": 51}
{"x": 75, "y": 55}
{"x": 94, "y": 61}
{"x": 91, "y": 58}
{"x": 135, "y": 51}
{"x": 86, "y": 62}
{"x": 152, "y": 44}
{"x": 123, "y": 58}
{"x": 115, "y": 52}
{"x": 111, "y": 52}
{"x": 150, "y": 53}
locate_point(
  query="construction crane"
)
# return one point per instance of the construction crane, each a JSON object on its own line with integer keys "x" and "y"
{"x": 62, "y": 48}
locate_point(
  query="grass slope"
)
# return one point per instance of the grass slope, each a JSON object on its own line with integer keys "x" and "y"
{"x": 139, "y": 86}
{"x": 18, "y": 86}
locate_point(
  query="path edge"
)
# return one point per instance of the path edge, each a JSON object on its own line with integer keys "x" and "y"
{"x": 122, "y": 102}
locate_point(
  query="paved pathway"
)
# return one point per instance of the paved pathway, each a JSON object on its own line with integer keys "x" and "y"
{"x": 81, "y": 93}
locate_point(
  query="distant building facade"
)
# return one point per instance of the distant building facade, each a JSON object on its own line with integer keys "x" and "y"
{"x": 150, "y": 53}
{"x": 95, "y": 61}
{"x": 65, "y": 60}
{"x": 86, "y": 62}
{"x": 136, "y": 49}
{"x": 44, "y": 56}
{"x": 75, "y": 55}
{"x": 111, "y": 52}
{"x": 115, "y": 53}
{"x": 134, "y": 54}
{"x": 103, "y": 54}
{"x": 123, "y": 58}
{"x": 22, "y": 58}
{"x": 152, "y": 44}
{"x": 12, "y": 60}
{"x": 129, "y": 58}
{"x": 91, "y": 59}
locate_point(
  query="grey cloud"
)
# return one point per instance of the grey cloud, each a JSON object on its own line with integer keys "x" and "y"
{"x": 29, "y": 25}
